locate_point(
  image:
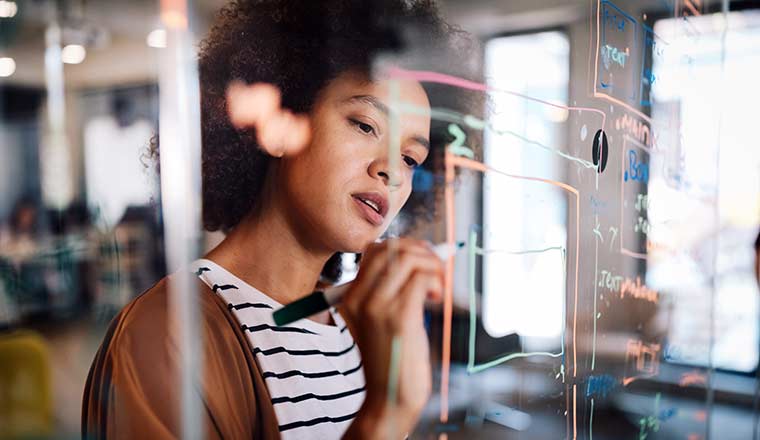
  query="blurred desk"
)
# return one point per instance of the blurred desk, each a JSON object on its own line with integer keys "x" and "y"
{"x": 46, "y": 277}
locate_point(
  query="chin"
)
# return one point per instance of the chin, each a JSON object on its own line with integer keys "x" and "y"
{"x": 357, "y": 245}
{"x": 356, "y": 240}
{"x": 351, "y": 233}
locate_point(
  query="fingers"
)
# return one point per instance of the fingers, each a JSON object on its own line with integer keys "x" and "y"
{"x": 385, "y": 304}
{"x": 411, "y": 300}
{"x": 406, "y": 264}
{"x": 279, "y": 132}
{"x": 377, "y": 256}
{"x": 393, "y": 284}
{"x": 385, "y": 262}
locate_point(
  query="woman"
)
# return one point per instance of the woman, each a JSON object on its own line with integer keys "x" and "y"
{"x": 286, "y": 220}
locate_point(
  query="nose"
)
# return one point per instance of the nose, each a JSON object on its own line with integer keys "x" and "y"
{"x": 380, "y": 169}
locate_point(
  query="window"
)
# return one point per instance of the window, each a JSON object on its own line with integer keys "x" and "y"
{"x": 716, "y": 109}
{"x": 524, "y": 229}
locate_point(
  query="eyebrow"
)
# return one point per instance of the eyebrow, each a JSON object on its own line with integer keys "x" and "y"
{"x": 380, "y": 105}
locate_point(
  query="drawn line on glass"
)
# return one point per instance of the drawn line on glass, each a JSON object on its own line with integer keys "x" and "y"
{"x": 479, "y": 124}
{"x": 596, "y": 274}
{"x": 596, "y": 71}
{"x": 591, "y": 421}
{"x": 441, "y": 78}
{"x": 476, "y": 250}
{"x": 623, "y": 250}
{"x": 451, "y": 162}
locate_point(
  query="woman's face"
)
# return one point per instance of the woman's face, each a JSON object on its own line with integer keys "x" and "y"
{"x": 341, "y": 192}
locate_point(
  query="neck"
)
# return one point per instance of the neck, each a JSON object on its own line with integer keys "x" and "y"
{"x": 265, "y": 252}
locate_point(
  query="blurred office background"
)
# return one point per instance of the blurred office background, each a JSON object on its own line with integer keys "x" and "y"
{"x": 80, "y": 218}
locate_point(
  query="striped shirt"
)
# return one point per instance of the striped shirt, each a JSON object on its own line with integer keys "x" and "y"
{"x": 313, "y": 371}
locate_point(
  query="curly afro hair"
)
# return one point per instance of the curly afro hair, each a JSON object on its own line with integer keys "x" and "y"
{"x": 299, "y": 46}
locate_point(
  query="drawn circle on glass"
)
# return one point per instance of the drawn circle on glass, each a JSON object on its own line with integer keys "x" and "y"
{"x": 600, "y": 151}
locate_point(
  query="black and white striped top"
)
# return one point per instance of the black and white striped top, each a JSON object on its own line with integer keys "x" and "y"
{"x": 313, "y": 371}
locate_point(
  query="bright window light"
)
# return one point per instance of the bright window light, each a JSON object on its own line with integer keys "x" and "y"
{"x": 694, "y": 86}
{"x": 524, "y": 231}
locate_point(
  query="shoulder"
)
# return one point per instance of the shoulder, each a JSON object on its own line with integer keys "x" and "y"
{"x": 152, "y": 320}
{"x": 138, "y": 367}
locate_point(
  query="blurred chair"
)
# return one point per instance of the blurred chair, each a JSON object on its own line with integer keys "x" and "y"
{"x": 26, "y": 408}
{"x": 126, "y": 265}
{"x": 9, "y": 314}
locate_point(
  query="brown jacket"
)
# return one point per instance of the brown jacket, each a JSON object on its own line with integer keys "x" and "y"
{"x": 133, "y": 388}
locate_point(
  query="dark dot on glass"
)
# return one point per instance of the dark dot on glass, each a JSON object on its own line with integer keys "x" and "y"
{"x": 600, "y": 151}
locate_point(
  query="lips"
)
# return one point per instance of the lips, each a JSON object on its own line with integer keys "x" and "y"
{"x": 372, "y": 205}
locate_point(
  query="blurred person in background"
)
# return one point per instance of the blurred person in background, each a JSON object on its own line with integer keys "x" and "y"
{"x": 18, "y": 240}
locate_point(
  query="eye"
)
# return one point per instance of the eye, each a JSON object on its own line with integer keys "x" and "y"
{"x": 365, "y": 128}
{"x": 411, "y": 163}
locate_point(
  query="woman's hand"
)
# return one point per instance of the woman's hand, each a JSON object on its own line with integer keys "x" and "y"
{"x": 386, "y": 303}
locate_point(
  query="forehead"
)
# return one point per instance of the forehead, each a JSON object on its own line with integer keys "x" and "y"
{"x": 409, "y": 92}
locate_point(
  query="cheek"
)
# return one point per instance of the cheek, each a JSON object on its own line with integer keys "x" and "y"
{"x": 399, "y": 198}
{"x": 320, "y": 160}
{"x": 323, "y": 173}
{"x": 331, "y": 148}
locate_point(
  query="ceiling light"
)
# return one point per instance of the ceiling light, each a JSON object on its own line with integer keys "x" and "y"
{"x": 8, "y": 9}
{"x": 73, "y": 54}
{"x": 156, "y": 38}
{"x": 7, "y": 66}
